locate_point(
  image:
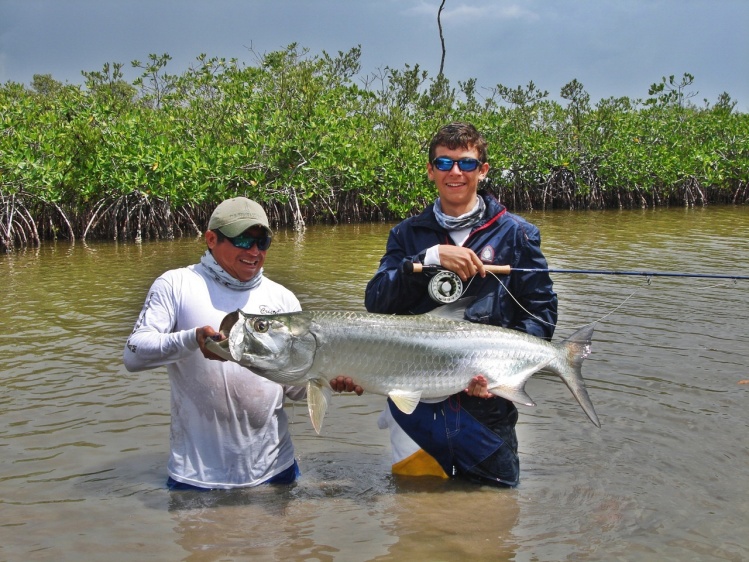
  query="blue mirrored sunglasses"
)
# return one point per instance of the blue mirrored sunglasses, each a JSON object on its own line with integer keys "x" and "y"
{"x": 445, "y": 164}
{"x": 246, "y": 242}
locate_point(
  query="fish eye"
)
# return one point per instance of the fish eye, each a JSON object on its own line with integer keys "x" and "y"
{"x": 261, "y": 325}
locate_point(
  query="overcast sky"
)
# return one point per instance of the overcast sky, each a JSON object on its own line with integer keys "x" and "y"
{"x": 614, "y": 47}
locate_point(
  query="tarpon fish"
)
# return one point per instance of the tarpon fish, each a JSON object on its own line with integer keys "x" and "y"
{"x": 407, "y": 358}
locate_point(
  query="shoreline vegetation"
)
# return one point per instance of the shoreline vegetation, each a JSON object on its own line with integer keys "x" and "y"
{"x": 316, "y": 142}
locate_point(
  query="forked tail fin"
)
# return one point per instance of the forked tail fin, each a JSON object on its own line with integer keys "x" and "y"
{"x": 577, "y": 348}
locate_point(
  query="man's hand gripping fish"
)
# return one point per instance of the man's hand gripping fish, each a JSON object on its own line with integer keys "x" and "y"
{"x": 404, "y": 357}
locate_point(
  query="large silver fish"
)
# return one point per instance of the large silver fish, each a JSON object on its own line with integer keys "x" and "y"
{"x": 404, "y": 357}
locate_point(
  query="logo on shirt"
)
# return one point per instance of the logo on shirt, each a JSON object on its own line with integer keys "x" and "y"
{"x": 487, "y": 254}
{"x": 266, "y": 310}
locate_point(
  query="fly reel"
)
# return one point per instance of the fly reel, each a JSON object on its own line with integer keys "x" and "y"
{"x": 445, "y": 287}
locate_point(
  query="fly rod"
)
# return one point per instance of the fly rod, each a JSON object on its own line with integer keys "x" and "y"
{"x": 447, "y": 287}
{"x": 506, "y": 270}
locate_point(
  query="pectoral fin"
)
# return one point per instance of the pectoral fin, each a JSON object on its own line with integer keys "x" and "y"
{"x": 318, "y": 396}
{"x": 405, "y": 400}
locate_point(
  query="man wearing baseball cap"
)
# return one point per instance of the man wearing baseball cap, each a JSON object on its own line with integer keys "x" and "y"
{"x": 234, "y": 216}
{"x": 228, "y": 425}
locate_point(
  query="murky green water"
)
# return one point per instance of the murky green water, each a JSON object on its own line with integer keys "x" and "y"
{"x": 84, "y": 444}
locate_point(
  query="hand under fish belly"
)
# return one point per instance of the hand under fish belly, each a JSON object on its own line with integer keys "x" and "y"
{"x": 404, "y": 357}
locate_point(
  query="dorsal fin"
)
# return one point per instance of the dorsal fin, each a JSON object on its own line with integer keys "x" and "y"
{"x": 454, "y": 310}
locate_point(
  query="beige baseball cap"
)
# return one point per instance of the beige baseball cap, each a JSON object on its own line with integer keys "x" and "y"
{"x": 233, "y": 216}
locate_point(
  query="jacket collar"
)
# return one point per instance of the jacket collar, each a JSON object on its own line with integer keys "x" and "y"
{"x": 494, "y": 209}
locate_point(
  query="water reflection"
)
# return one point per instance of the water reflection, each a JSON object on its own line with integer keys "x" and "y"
{"x": 84, "y": 443}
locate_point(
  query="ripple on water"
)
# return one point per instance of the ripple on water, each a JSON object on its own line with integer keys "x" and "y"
{"x": 84, "y": 443}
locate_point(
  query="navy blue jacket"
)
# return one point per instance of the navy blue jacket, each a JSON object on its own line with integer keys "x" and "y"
{"x": 501, "y": 238}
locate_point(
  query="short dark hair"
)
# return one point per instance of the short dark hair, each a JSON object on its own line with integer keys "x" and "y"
{"x": 458, "y": 135}
{"x": 220, "y": 236}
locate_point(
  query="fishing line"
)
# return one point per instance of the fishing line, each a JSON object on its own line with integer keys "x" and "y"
{"x": 542, "y": 321}
{"x": 555, "y": 325}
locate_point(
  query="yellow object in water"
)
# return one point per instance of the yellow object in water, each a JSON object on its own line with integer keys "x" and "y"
{"x": 420, "y": 463}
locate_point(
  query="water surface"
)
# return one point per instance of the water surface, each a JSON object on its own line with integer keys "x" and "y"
{"x": 84, "y": 443}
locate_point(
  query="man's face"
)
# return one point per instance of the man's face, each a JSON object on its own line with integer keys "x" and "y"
{"x": 237, "y": 262}
{"x": 457, "y": 189}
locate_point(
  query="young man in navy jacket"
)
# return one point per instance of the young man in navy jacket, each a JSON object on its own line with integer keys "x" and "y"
{"x": 470, "y": 434}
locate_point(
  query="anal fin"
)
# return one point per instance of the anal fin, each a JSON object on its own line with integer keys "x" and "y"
{"x": 405, "y": 400}
{"x": 514, "y": 388}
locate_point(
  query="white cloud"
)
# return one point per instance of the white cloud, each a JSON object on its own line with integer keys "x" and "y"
{"x": 476, "y": 13}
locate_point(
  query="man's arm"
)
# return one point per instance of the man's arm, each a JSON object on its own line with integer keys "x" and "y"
{"x": 534, "y": 290}
{"x": 392, "y": 290}
{"x": 152, "y": 342}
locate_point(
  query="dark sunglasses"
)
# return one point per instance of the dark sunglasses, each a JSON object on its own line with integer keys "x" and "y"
{"x": 445, "y": 164}
{"x": 246, "y": 242}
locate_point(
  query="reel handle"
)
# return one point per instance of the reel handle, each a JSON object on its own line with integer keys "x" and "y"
{"x": 411, "y": 267}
